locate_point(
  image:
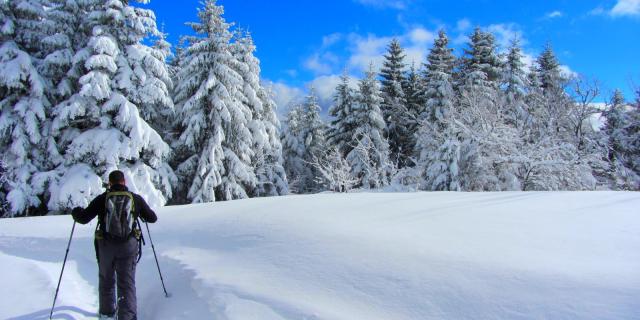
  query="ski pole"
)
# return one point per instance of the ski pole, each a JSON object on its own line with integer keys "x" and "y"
{"x": 166, "y": 294}
{"x": 62, "y": 271}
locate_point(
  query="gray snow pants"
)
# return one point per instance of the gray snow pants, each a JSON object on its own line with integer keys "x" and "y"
{"x": 117, "y": 265}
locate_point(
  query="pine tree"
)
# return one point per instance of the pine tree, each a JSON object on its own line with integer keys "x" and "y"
{"x": 480, "y": 64}
{"x": 148, "y": 79}
{"x": 413, "y": 87}
{"x": 313, "y": 134}
{"x": 549, "y": 70}
{"x": 480, "y": 114}
{"x": 555, "y": 106}
{"x": 439, "y": 94}
{"x": 619, "y": 131}
{"x": 369, "y": 158}
{"x": 304, "y": 144}
{"x": 100, "y": 127}
{"x": 343, "y": 124}
{"x": 614, "y": 126}
{"x": 23, "y": 102}
{"x": 294, "y": 149}
{"x": 267, "y": 148}
{"x": 534, "y": 101}
{"x": 66, "y": 34}
{"x": 438, "y": 144}
{"x": 214, "y": 148}
{"x": 272, "y": 177}
{"x": 394, "y": 104}
{"x": 514, "y": 82}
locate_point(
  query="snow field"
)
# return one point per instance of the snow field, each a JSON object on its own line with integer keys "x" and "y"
{"x": 559, "y": 255}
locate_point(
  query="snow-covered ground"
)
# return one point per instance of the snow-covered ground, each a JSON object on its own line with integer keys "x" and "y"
{"x": 559, "y": 255}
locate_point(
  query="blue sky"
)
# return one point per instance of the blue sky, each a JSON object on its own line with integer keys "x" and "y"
{"x": 309, "y": 42}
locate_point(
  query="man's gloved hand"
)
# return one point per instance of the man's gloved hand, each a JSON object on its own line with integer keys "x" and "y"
{"x": 76, "y": 212}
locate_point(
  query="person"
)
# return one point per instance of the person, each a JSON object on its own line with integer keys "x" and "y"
{"x": 117, "y": 244}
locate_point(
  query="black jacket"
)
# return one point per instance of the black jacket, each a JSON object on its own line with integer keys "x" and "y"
{"x": 97, "y": 208}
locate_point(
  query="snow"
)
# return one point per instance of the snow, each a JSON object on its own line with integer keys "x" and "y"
{"x": 510, "y": 255}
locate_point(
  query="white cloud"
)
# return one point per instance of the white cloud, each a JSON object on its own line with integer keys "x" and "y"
{"x": 325, "y": 87}
{"x": 331, "y": 39}
{"x": 371, "y": 49}
{"x": 505, "y": 33}
{"x": 367, "y": 50}
{"x": 321, "y": 63}
{"x": 421, "y": 35}
{"x": 626, "y": 8}
{"x": 567, "y": 72}
{"x": 284, "y": 96}
{"x": 554, "y": 14}
{"x": 463, "y": 25}
{"x": 622, "y": 8}
{"x": 394, "y": 4}
{"x": 291, "y": 73}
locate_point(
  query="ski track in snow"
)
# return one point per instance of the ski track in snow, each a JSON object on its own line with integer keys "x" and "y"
{"x": 555, "y": 255}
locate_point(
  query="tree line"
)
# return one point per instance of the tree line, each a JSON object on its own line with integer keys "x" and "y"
{"x": 481, "y": 121}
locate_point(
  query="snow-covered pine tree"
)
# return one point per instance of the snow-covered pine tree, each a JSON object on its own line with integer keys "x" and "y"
{"x": 313, "y": 131}
{"x": 23, "y": 101}
{"x": 394, "y": 104}
{"x": 99, "y": 127}
{"x": 514, "y": 84}
{"x": 343, "y": 123}
{"x": 478, "y": 92}
{"x": 480, "y": 114}
{"x": 214, "y": 148}
{"x": 369, "y": 158}
{"x": 66, "y": 33}
{"x": 438, "y": 95}
{"x": 272, "y": 177}
{"x": 304, "y": 144}
{"x": 556, "y": 103}
{"x": 294, "y": 149}
{"x": 534, "y": 100}
{"x": 413, "y": 87}
{"x": 148, "y": 79}
{"x": 616, "y": 119}
{"x": 267, "y": 148}
{"x": 438, "y": 145}
{"x": 549, "y": 70}
{"x": 480, "y": 58}
{"x": 618, "y": 145}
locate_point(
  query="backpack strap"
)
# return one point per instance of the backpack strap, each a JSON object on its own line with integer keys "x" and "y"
{"x": 141, "y": 241}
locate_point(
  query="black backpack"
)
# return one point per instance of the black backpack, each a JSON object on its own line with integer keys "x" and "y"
{"x": 120, "y": 221}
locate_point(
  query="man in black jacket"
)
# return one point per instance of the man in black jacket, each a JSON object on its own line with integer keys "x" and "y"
{"x": 117, "y": 256}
